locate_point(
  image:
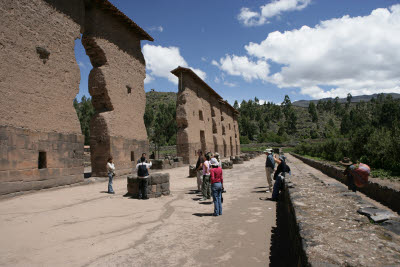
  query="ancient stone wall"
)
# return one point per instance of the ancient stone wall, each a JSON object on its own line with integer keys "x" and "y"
{"x": 116, "y": 84}
{"x": 205, "y": 121}
{"x": 41, "y": 141}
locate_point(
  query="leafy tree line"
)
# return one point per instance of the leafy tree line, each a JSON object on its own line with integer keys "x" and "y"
{"x": 256, "y": 121}
{"x": 85, "y": 112}
{"x": 368, "y": 132}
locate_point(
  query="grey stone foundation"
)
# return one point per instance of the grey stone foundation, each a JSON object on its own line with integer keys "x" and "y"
{"x": 157, "y": 185}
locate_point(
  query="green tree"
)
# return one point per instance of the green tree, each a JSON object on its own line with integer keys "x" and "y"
{"x": 313, "y": 112}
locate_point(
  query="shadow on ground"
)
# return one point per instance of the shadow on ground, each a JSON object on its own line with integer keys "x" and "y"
{"x": 202, "y": 214}
{"x": 280, "y": 240}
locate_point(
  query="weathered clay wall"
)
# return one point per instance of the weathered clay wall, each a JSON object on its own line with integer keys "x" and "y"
{"x": 202, "y": 115}
{"x": 39, "y": 78}
{"x": 116, "y": 84}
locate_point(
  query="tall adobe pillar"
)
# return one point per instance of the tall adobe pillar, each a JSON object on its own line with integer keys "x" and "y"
{"x": 116, "y": 84}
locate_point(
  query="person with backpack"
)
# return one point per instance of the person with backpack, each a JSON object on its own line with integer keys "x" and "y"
{"x": 111, "y": 174}
{"x": 269, "y": 168}
{"x": 142, "y": 169}
{"x": 356, "y": 174}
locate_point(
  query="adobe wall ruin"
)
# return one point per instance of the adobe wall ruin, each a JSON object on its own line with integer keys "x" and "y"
{"x": 116, "y": 84}
{"x": 205, "y": 121}
{"x": 41, "y": 143}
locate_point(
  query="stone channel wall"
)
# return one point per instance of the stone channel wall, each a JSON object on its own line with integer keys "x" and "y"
{"x": 158, "y": 185}
{"x": 326, "y": 228}
{"x": 387, "y": 193}
{"x": 205, "y": 121}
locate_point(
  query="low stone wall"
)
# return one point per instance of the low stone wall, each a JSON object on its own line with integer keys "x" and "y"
{"x": 167, "y": 163}
{"x": 326, "y": 229}
{"x": 158, "y": 185}
{"x": 388, "y": 194}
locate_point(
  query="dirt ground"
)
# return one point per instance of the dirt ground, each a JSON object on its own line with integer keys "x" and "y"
{"x": 84, "y": 226}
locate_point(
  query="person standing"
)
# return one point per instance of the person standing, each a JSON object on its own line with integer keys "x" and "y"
{"x": 217, "y": 186}
{"x": 199, "y": 170}
{"x": 143, "y": 175}
{"x": 269, "y": 168}
{"x": 111, "y": 174}
{"x": 218, "y": 159}
{"x": 206, "y": 186}
{"x": 279, "y": 176}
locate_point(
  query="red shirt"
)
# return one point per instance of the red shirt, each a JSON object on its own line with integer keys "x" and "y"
{"x": 216, "y": 175}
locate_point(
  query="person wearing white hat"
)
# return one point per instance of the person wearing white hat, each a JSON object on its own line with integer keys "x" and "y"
{"x": 269, "y": 168}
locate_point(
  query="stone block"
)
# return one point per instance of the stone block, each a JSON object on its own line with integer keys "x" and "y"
{"x": 157, "y": 164}
{"x": 165, "y": 187}
{"x": 153, "y": 188}
{"x": 165, "y": 193}
{"x": 158, "y": 188}
{"x": 175, "y": 165}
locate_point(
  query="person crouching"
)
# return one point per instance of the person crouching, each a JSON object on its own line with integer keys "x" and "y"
{"x": 143, "y": 175}
{"x": 217, "y": 185}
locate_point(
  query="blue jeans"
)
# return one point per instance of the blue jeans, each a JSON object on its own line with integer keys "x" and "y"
{"x": 216, "y": 189}
{"x": 110, "y": 180}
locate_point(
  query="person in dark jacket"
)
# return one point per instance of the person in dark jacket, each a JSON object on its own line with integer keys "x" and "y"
{"x": 269, "y": 168}
{"x": 142, "y": 169}
{"x": 279, "y": 176}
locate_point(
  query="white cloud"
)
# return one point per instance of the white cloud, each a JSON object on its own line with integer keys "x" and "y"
{"x": 357, "y": 55}
{"x": 242, "y": 66}
{"x": 148, "y": 79}
{"x": 275, "y": 8}
{"x": 81, "y": 64}
{"x": 229, "y": 84}
{"x": 204, "y": 59}
{"x": 156, "y": 29}
{"x": 161, "y": 60}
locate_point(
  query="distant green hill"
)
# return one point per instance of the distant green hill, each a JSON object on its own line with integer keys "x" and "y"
{"x": 354, "y": 99}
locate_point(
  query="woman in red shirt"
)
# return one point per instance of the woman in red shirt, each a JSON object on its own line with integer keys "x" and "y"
{"x": 216, "y": 186}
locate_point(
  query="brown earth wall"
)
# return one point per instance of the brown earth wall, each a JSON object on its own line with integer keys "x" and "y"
{"x": 39, "y": 78}
{"x": 116, "y": 84}
{"x": 195, "y": 98}
{"x": 19, "y": 166}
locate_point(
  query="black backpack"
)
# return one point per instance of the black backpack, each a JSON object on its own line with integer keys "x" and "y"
{"x": 142, "y": 170}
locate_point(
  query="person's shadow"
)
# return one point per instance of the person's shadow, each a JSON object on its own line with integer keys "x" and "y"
{"x": 202, "y": 214}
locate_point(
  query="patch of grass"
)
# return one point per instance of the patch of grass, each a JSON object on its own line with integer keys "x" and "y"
{"x": 287, "y": 149}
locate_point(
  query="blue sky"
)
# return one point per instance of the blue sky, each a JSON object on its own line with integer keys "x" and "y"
{"x": 308, "y": 49}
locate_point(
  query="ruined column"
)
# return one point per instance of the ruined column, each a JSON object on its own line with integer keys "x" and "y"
{"x": 116, "y": 84}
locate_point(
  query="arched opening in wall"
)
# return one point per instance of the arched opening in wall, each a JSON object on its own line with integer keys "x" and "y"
{"x": 83, "y": 102}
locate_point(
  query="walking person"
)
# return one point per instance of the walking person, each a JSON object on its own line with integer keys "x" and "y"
{"x": 142, "y": 169}
{"x": 206, "y": 186}
{"x": 111, "y": 174}
{"x": 217, "y": 186}
{"x": 269, "y": 168}
{"x": 199, "y": 170}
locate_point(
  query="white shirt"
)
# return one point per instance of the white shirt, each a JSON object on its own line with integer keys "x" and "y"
{"x": 148, "y": 166}
{"x": 110, "y": 167}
